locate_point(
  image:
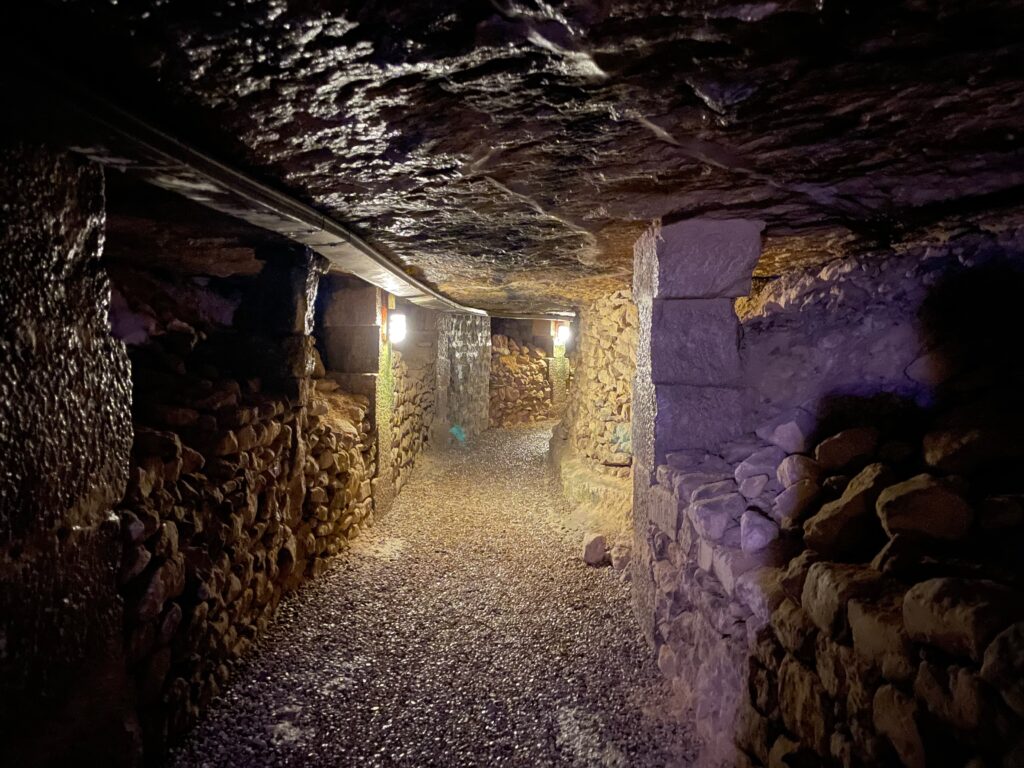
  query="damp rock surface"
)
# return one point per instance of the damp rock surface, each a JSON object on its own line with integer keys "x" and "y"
{"x": 461, "y": 630}
{"x": 510, "y": 153}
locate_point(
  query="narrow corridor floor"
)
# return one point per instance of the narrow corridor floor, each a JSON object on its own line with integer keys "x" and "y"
{"x": 463, "y": 629}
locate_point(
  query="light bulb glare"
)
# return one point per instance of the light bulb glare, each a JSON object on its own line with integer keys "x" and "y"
{"x": 396, "y": 328}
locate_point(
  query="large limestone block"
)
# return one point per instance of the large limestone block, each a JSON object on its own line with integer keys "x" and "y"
{"x": 959, "y": 697}
{"x": 352, "y": 349}
{"x": 664, "y": 510}
{"x": 848, "y": 526}
{"x": 729, "y": 564}
{"x": 792, "y": 504}
{"x": 960, "y": 616}
{"x": 895, "y": 716}
{"x": 797, "y": 468}
{"x": 847, "y": 448}
{"x": 787, "y": 753}
{"x": 760, "y": 590}
{"x": 794, "y": 629}
{"x": 804, "y": 705}
{"x": 965, "y": 448}
{"x": 764, "y": 461}
{"x": 712, "y": 517}
{"x": 756, "y": 531}
{"x": 1003, "y": 667}
{"x": 347, "y": 303}
{"x": 695, "y": 259}
{"x": 695, "y": 342}
{"x": 924, "y": 506}
{"x": 880, "y": 638}
{"x": 695, "y": 417}
{"x": 829, "y": 588}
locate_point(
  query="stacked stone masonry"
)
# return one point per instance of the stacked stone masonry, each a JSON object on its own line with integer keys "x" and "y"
{"x": 843, "y": 584}
{"x": 591, "y": 447}
{"x": 240, "y": 487}
{"x": 412, "y": 411}
{"x": 598, "y": 420}
{"x": 520, "y": 389}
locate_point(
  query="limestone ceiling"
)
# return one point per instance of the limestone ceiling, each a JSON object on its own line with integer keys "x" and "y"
{"x": 510, "y": 152}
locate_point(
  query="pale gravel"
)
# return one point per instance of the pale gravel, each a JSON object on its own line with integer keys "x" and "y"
{"x": 463, "y": 629}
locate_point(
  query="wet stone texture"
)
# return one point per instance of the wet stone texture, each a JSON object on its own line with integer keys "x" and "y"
{"x": 461, "y": 630}
{"x": 512, "y": 152}
{"x": 463, "y": 375}
{"x": 65, "y": 436}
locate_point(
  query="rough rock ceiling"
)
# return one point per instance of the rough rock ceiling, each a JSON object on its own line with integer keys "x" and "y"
{"x": 509, "y": 152}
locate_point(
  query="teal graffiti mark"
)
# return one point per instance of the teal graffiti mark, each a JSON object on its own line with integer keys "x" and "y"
{"x": 622, "y": 437}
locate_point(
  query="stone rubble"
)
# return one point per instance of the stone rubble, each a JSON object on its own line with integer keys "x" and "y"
{"x": 238, "y": 491}
{"x": 828, "y": 635}
{"x": 521, "y": 390}
{"x": 412, "y": 414}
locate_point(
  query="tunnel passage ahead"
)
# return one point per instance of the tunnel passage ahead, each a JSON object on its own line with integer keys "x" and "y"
{"x": 462, "y": 630}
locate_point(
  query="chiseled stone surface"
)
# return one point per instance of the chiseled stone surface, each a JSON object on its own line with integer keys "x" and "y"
{"x": 695, "y": 417}
{"x": 510, "y": 151}
{"x": 65, "y": 438}
{"x": 697, "y": 259}
{"x": 696, "y": 342}
{"x": 463, "y": 369}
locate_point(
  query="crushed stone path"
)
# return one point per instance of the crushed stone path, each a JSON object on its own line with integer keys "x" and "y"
{"x": 463, "y": 629}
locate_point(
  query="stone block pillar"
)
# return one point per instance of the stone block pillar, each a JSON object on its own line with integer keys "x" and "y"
{"x": 271, "y": 335}
{"x": 350, "y": 324}
{"x": 463, "y": 375}
{"x": 687, "y": 392}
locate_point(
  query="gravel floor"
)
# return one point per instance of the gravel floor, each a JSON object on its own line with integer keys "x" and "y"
{"x": 462, "y": 630}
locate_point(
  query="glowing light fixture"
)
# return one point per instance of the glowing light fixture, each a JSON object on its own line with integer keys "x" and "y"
{"x": 396, "y": 327}
{"x": 563, "y": 334}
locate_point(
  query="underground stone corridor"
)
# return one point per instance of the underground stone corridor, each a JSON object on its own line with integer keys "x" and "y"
{"x": 462, "y": 629}
{"x": 557, "y": 383}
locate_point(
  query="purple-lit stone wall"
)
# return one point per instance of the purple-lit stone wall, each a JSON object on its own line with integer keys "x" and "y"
{"x": 840, "y": 582}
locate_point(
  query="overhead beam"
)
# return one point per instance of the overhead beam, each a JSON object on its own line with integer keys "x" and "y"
{"x": 108, "y": 134}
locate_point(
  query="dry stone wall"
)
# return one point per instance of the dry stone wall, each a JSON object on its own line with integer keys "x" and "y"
{"x": 598, "y": 420}
{"x": 592, "y": 446}
{"x": 520, "y": 388}
{"x": 247, "y": 473}
{"x": 412, "y": 412}
{"x": 843, "y": 584}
